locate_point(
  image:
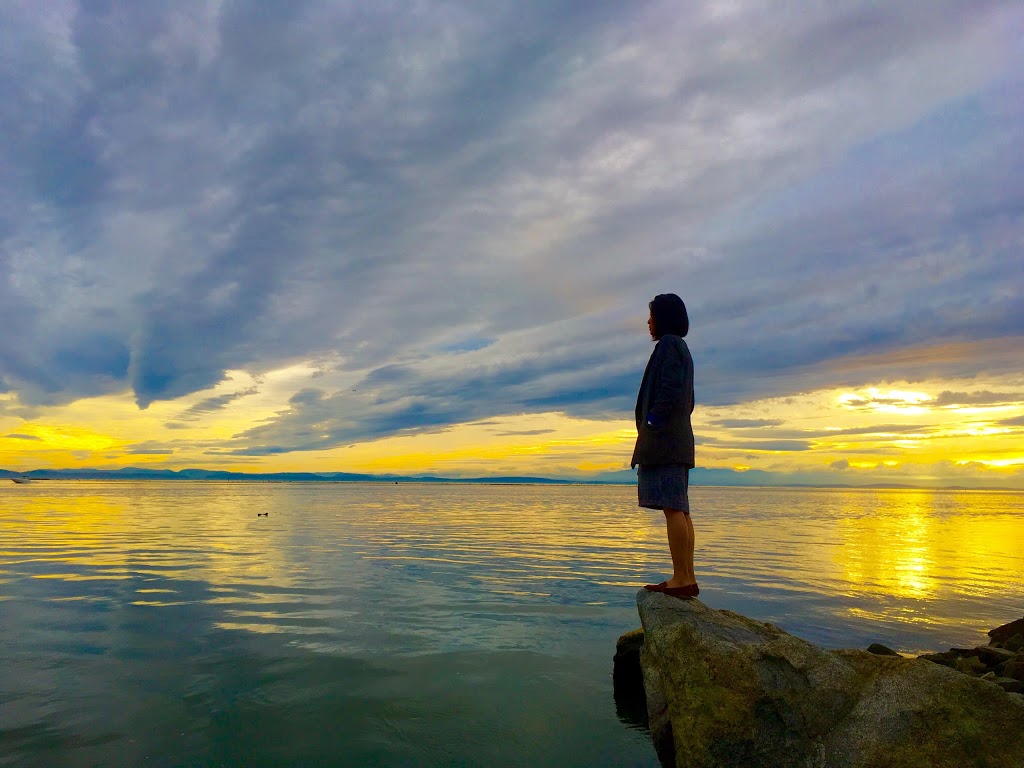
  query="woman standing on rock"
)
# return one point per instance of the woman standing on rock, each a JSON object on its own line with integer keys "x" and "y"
{"x": 664, "y": 442}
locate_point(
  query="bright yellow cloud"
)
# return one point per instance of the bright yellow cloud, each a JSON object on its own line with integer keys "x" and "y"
{"x": 37, "y": 437}
{"x": 905, "y": 431}
{"x": 523, "y": 444}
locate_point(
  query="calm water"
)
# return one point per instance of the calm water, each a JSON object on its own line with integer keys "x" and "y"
{"x": 166, "y": 624}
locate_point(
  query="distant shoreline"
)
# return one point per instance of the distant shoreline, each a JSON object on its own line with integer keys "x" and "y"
{"x": 136, "y": 474}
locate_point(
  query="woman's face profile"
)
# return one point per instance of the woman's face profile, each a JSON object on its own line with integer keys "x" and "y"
{"x": 650, "y": 324}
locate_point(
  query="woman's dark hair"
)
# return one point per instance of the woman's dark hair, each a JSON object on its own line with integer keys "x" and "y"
{"x": 669, "y": 315}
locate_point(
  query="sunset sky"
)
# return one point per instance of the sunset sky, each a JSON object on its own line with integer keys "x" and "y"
{"x": 421, "y": 237}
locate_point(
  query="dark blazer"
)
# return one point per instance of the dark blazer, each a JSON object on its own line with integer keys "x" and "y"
{"x": 663, "y": 406}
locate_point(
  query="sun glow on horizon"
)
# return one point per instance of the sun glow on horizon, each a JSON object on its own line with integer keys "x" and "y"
{"x": 897, "y": 433}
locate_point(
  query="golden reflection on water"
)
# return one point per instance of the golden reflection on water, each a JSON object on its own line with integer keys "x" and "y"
{"x": 327, "y": 554}
{"x": 892, "y": 551}
{"x": 916, "y": 547}
{"x": 55, "y": 543}
{"x": 99, "y": 532}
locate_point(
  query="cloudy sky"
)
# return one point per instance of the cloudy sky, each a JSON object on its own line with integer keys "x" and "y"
{"x": 421, "y": 236}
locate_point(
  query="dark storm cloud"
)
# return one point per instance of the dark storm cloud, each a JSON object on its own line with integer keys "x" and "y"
{"x": 470, "y": 207}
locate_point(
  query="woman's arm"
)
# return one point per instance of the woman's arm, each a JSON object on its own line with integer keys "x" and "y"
{"x": 668, "y": 386}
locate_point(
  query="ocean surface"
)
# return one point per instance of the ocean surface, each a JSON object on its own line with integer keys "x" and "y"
{"x": 171, "y": 624}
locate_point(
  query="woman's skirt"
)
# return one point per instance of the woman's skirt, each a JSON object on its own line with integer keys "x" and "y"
{"x": 664, "y": 486}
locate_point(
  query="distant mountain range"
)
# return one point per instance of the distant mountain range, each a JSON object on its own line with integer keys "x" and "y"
{"x": 698, "y": 477}
{"x": 139, "y": 473}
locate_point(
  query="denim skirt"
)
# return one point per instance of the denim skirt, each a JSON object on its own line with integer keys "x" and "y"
{"x": 664, "y": 486}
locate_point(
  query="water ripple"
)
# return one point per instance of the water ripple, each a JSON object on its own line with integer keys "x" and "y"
{"x": 159, "y": 595}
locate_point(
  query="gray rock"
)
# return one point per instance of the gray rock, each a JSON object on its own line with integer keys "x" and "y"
{"x": 1015, "y": 643}
{"x": 969, "y": 665}
{"x": 881, "y": 650}
{"x": 724, "y": 690}
{"x": 626, "y": 671}
{"x": 1015, "y": 668}
{"x": 1009, "y": 685}
{"x": 977, "y": 661}
{"x": 946, "y": 658}
{"x": 628, "y": 680}
{"x": 1002, "y": 634}
{"x": 993, "y": 657}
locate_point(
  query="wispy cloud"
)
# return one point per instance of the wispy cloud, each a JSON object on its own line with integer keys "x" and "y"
{"x": 213, "y": 404}
{"x": 869, "y": 431}
{"x": 149, "y": 449}
{"x": 766, "y": 445}
{"x": 524, "y": 432}
{"x": 982, "y": 397}
{"x": 746, "y": 423}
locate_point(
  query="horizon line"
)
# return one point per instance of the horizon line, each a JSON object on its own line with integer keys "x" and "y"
{"x": 142, "y": 473}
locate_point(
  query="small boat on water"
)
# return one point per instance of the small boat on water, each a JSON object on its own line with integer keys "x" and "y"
{"x": 20, "y": 480}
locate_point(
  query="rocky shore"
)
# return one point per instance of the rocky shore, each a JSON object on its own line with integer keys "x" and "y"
{"x": 723, "y": 690}
{"x": 1000, "y": 662}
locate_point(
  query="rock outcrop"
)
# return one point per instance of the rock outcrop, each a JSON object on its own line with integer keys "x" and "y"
{"x": 628, "y": 680}
{"x": 724, "y": 690}
{"x": 1009, "y": 636}
{"x": 1000, "y": 662}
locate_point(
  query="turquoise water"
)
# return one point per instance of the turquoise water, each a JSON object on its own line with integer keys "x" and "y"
{"x": 154, "y": 623}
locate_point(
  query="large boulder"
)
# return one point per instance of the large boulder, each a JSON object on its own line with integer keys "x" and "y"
{"x": 724, "y": 690}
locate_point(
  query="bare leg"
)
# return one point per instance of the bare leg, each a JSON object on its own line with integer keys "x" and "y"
{"x": 680, "y": 545}
{"x": 692, "y": 577}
